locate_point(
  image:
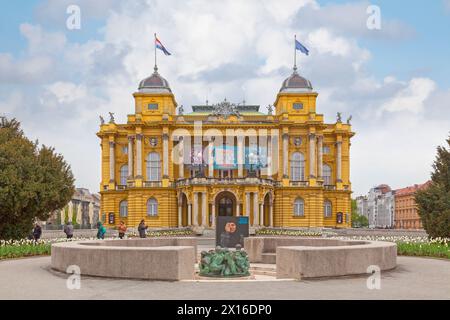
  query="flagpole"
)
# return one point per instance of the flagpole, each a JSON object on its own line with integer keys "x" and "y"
{"x": 156, "y": 68}
{"x": 295, "y": 52}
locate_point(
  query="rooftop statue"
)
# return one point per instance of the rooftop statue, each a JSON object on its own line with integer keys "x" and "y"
{"x": 102, "y": 121}
{"x": 349, "y": 119}
{"x": 111, "y": 117}
{"x": 225, "y": 109}
{"x": 339, "y": 117}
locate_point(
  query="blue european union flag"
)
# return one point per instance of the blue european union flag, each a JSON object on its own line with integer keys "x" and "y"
{"x": 300, "y": 47}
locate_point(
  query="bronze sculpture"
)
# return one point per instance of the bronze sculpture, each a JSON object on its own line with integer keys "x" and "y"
{"x": 224, "y": 263}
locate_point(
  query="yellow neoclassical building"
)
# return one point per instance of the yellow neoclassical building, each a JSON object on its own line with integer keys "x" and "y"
{"x": 286, "y": 168}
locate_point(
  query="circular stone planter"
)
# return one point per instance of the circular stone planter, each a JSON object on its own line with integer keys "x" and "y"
{"x": 149, "y": 258}
{"x": 298, "y": 258}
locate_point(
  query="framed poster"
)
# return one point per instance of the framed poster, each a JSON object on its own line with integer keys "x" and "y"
{"x": 231, "y": 231}
{"x": 111, "y": 218}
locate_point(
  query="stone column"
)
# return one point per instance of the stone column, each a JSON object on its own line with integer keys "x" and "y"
{"x": 211, "y": 158}
{"x": 312, "y": 155}
{"x": 189, "y": 223}
{"x": 180, "y": 212}
{"x": 271, "y": 214}
{"x": 166, "y": 155}
{"x": 269, "y": 156}
{"x": 213, "y": 220}
{"x": 261, "y": 214}
{"x": 247, "y": 204}
{"x": 339, "y": 161}
{"x": 139, "y": 156}
{"x": 320, "y": 157}
{"x": 204, "y": 210}
{"x": 195, "y": 205}
{"x": 285, "y": 155}
{"x": 238, "y": 209}
{"x": 181, "y": 158}
{"x": 112, "y": 162}
{"x": 130, "y": 157}
{"x": 255, "y": 209}
{"x": 240, "y": 155}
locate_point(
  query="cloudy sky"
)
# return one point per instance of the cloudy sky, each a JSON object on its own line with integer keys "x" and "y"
{"x": 393, "y": 81}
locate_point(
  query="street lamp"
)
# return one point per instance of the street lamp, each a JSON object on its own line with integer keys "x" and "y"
{"x": 253, "y": 159}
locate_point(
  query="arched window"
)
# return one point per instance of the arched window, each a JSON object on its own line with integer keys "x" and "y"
{"x": 327, "y": 175}
{"x": 327, "y": 208}
{"x": 123, "y": 208}
{"x": 123, "y": 174}
{"x": 297, "y": 167}
{"x": 153, "y": 167}
{"x": 152, "y": 207}
{"x": 299, "y": 207}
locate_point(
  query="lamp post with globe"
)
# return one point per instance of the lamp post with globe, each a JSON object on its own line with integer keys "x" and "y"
{"x": 253, "y": 161}
{"x": 197, "y": 160}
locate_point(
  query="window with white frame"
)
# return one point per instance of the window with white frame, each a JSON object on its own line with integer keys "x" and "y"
{"x": 152, "y": 207}
{"x": 123, "y": 208}
{"x": 153, "y": 167}
{"x": 123, "y": 175}
{"x": 327, "y": 175}
{"x": 326, "y": 150}
{"x": 299, "y": 207}
{"x": 327, "y": 208}
{"x": 297, "y": 167}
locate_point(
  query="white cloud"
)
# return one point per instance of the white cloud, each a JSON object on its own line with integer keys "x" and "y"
{"x": 412, "y": 97}
{"x": 66, "y": 92}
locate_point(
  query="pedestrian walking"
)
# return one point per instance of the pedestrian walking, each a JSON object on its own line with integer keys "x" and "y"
{"x": 122, "y": 229}
{"x": 142, "y": 228}
{"x": 68, "y": 230}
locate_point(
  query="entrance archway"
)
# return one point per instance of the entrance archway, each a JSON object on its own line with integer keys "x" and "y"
{"x": 184, "y": 210}
{"x": 225, "y": 204}
{"x": 266, "y": 210}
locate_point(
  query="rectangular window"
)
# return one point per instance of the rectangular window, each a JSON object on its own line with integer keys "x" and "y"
{"x": 125, "y": 149}
{"x": 298, "y": 106}
{"x": 326, "y": 150}
{"x": 152, "y": 106}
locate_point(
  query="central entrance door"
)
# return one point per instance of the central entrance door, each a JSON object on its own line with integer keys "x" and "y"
{"x": 225, "y": 204}
{"x": 225, "y": 207}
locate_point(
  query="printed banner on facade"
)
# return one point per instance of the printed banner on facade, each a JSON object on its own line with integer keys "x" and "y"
{"x": 226, "y": 158}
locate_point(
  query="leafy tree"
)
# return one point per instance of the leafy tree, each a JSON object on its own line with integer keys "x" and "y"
{"x": 34, "y": 181}
{"x": 358, "y": 221}
{"x": 434, "y": 202}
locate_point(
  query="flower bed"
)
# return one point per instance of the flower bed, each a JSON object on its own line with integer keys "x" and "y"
{"x": 11, "y": 249}
{"x": 284, "y": 232}
{"x": 163, "y": 233}
{"x": 414, "y": 246}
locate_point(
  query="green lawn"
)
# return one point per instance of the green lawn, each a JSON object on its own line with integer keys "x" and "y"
{"x": 24, "y": 248}
{"x": 438, "y": 250}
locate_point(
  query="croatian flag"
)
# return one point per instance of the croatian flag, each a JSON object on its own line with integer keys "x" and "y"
{"x": 300, "y": 47}
{"x": 159, "y": 45}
